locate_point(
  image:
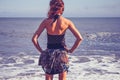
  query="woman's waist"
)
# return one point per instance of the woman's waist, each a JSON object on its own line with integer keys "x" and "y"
{"x": 55, "y": 45}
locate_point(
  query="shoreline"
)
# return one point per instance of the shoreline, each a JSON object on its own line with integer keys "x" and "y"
{"x": 81, "y": 68}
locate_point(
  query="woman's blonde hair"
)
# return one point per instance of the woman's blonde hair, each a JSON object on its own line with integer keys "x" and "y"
{"x": 56, "y": 7}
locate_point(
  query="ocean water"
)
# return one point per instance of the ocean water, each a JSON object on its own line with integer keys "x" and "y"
{"x": 101, "y": 37}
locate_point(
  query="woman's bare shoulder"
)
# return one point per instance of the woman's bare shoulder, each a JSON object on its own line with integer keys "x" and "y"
{"x": 66, "y": 20}
{"x": 46, "y": 21}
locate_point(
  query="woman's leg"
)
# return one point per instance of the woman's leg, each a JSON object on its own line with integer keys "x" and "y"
{"x": 48, "y": 77}
{"x": 62, "y": 76}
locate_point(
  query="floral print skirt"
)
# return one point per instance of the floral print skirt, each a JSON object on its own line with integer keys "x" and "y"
{"x": 54, "y": 61}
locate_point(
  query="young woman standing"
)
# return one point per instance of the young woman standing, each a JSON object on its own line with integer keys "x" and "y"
{"x": 55, "y": 56}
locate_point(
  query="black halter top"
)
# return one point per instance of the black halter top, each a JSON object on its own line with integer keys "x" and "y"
{"x": 55, "y": 41}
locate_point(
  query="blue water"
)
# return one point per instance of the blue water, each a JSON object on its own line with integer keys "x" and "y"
{"x": 101, "y": 36}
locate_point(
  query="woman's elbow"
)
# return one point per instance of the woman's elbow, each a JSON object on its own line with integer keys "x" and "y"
{"x": 80, "y": 39}
{"x": 33, "y": 39}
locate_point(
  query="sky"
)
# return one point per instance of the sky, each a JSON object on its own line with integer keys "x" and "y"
{"x": 73, "y": 8}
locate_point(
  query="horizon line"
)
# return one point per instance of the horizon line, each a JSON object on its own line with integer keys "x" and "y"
{"x": 64, "y": 16}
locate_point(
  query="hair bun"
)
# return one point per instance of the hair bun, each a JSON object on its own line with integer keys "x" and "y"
{"x": 56, "y": 2}
{"x": 56, "y": 7}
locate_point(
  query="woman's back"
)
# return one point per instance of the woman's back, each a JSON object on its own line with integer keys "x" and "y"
{"x": 58, "y": 27}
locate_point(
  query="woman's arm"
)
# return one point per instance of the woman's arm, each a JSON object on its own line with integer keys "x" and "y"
{"x": 77, "y": 35}
{"x": 36, "y": 36}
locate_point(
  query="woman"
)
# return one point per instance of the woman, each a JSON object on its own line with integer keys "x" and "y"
{"x": 56, "y": 26}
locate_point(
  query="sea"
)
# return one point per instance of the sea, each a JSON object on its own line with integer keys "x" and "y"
{"x": 101, "y": 36}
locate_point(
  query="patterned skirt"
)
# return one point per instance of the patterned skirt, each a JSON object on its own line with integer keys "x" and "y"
{"x": 54, "y": 61}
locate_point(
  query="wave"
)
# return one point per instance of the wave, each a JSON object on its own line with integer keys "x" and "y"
{"x": 97, "y": 42}
{"x": 24, "y": 67}
{"x": 20, "y": 58}
{"x": 103, "y": 37}
{"x": 101, "y": 41}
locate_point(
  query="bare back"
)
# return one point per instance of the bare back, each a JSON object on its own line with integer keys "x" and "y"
{"x": 58, "y": 27}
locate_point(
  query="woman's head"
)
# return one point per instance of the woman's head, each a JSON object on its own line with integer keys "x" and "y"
{"x": 56, "y": 8}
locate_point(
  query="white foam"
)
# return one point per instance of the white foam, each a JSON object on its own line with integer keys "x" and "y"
{"x": 81, "y": 68}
